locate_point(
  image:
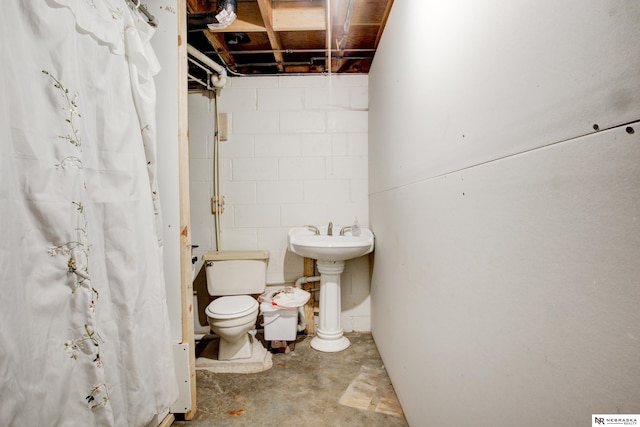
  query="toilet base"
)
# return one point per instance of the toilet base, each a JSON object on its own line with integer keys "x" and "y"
{"x": 207, "y": 358}
{"x": 330, "y": 346}
{"x": 241, "y": 348}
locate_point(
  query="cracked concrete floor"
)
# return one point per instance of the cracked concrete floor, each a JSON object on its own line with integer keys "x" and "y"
{"x": 303, "y": 388}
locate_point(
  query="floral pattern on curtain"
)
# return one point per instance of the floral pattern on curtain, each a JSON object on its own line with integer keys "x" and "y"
{"x": 84, "y": 328}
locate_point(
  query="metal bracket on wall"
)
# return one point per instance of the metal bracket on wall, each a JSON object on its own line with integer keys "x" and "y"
{"x": 217, "y": 206}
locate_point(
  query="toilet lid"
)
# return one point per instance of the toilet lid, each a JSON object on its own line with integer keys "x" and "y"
{"x": 231, "y": 306}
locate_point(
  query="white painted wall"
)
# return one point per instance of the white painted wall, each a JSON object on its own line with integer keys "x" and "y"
{"x": 166, "y": 49}
{"x": 165, "y": 45}
{"x": 505, "y": 287}
{"x": 296, "y": 154}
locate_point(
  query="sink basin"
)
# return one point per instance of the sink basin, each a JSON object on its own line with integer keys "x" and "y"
{"x": 306, "y": 243}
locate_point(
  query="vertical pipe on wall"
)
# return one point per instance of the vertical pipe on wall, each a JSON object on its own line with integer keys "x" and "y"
{"x": 328, "y": 40}
{"x": 216, "y": 172}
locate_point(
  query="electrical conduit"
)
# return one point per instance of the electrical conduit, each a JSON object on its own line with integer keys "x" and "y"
{"x": 216, "y": 172}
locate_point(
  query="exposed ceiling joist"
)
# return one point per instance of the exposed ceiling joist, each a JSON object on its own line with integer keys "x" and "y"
{"x": 294, "y": 16}
{"x": 294, "y": 36}
{"x": 274, "y": 38}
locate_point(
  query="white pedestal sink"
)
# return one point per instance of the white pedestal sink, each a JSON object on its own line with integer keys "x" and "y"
{"x": 330, "y": 252}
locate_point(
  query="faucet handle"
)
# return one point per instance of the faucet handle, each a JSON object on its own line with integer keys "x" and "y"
{"x": 343, "y": 229}
{"x": 313, "y": 228}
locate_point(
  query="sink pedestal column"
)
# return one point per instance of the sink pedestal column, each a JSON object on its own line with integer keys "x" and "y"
{"x": 329, "y": 337}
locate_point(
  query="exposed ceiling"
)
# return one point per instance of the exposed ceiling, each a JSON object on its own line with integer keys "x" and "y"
{"x": 275, "y": 37}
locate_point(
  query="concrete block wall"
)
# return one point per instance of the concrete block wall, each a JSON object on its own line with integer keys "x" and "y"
{"x": 296, "y": 154}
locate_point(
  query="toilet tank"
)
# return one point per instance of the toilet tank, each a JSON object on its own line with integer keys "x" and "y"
{"x": 236, "y": 272}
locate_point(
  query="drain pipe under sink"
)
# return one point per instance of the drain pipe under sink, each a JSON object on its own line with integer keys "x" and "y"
{"x": 306, "y": 279}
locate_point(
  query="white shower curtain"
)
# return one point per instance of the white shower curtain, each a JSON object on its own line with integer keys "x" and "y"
{"x": 84, "y": 329}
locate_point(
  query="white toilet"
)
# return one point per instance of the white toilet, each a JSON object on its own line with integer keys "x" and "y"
{"x": 235, "y": 276}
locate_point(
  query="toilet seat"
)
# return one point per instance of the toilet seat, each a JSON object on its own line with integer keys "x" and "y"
{"x": 231, "y": 307}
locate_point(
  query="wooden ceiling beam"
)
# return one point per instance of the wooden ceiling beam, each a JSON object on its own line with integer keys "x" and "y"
{"x": 195, "y": 6}
{"x": 217, "y": 41}
{"x": 292, "y": 16}
{"x": 387, "y": 10}
{"x": 199, "y": 6}
{"x": 274, "y": 38}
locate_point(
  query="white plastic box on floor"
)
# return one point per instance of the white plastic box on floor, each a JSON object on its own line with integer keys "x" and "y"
{"x": 279, "y": 324}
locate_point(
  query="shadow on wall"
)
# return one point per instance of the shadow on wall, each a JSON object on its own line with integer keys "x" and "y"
{"x": 202, "y": 295}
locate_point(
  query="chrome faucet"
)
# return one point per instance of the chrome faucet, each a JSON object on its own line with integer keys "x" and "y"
{"x": 313, "y": 228}
{"x": 330, "y": 229}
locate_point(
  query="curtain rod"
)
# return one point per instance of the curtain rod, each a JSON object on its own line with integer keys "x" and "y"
{"x": 135, "y": 4}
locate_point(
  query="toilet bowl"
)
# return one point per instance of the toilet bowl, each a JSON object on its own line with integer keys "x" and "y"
{"x": 233, "y": 276}
{"x": 231, "y": 318}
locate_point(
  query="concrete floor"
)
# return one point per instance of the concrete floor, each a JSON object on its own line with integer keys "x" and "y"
{"x": 303, "y": 388}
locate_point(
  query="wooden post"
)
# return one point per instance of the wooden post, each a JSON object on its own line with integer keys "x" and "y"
{"x": 309, "y": 271}
{"x": 185, "y": 204}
